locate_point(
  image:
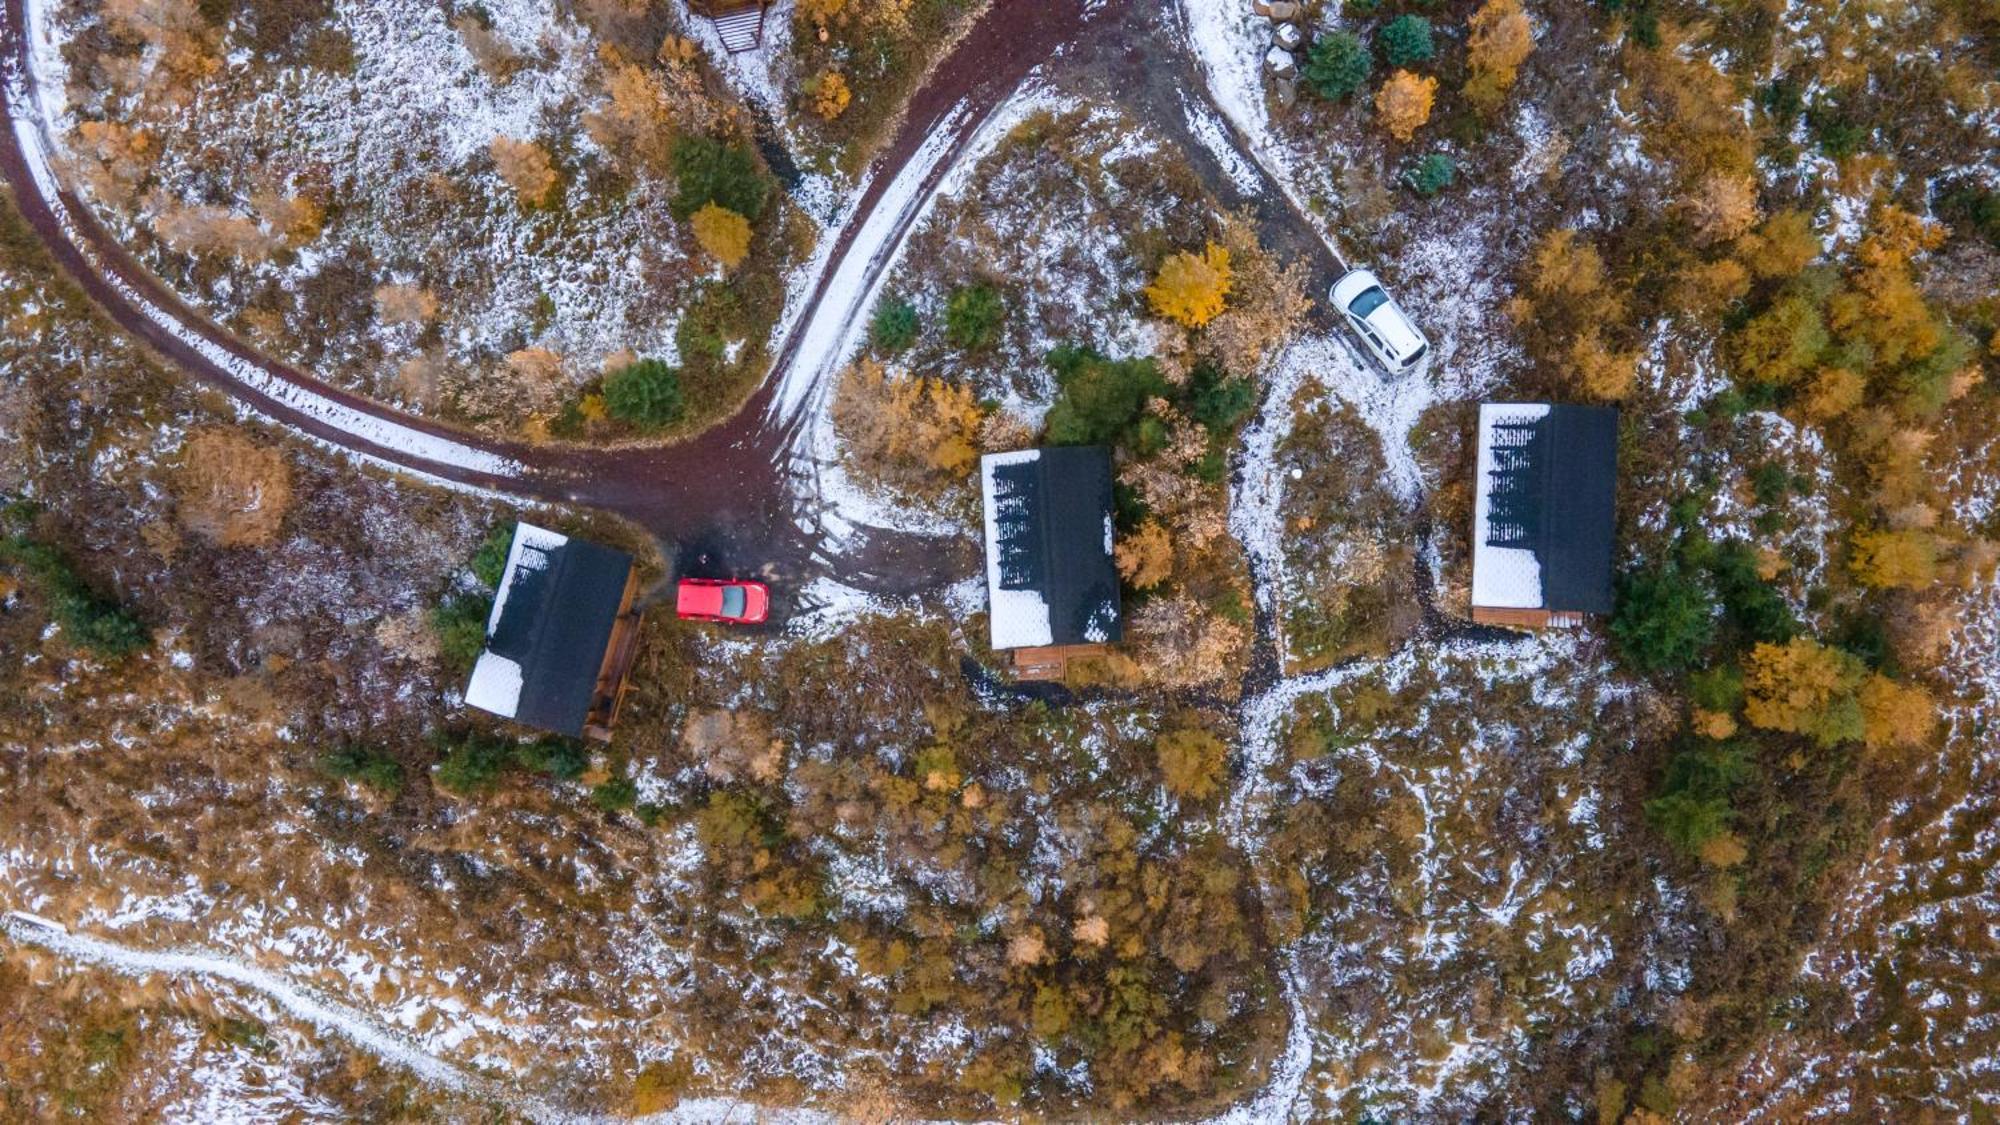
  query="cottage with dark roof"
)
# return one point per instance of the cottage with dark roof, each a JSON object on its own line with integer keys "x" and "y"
{"x": 1543, "y": 518}
{"x": 1051, "y": 584}
{"x": 561, "y": 637}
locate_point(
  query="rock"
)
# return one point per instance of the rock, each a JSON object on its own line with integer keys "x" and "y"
{"x": 1280, "y": 62}
{"x": 1289, "y": 36}
{"x": 1287, "y": 91}
{"x": 1281, "y": 11}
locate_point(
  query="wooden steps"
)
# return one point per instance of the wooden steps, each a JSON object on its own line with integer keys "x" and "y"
{"x": 741, "y": 28}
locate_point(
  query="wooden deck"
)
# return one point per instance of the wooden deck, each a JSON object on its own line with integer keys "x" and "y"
{"x": 613, "y": 674}
{"x": 1050, "y": 663}
{"x": 1526, "y": 618}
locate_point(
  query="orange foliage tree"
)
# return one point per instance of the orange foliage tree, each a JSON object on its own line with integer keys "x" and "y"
{"x": 723, "y": 233}
{"x": 1501, "y": 40}
{"x": 1404, "y": 101}
{"x": 1192, "y": 289}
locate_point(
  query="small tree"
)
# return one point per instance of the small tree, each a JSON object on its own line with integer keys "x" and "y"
{"x": 972, "y": 317}
{"x": 646, "y": 393}
{"x": 1405, "y": 40}
{"x": 1337, "y": 65}
{"x": 1192, "y": 289}
{"x": 1665, "y": 619}
{"x": 1895, "y": 560}
{"x": 830, "y": 95}
{"x": 894, "y": 328}
{"x": 1804, "y": 687}
{"x": 1191, "y": 761}
{"x": 1501, "y": 40}
{"x": 1895, "y": 716}
{"x": 708, "y": 171}
{"x": 723, "y": 233}
{"x": 1146, "y": 557}
{"x": 1431, "y": 175}
{"x": 1404, "y": 102}
{"x": 526, "y": 168}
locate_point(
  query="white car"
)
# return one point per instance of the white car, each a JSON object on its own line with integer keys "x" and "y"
{"x": 1379, "y": 321}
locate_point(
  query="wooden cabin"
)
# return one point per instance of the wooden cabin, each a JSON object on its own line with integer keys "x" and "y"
{"x": 1543, "y": 518}
{"x": 562, "y": 635}
{"x": 1051, "y": 583}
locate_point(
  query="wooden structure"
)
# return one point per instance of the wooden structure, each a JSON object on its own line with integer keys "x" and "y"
{"x": 562, "y": 635}
{"x": 614, "y": 675}
{"x": 1051, "y": 662}
{"x": 1051, "y": 580}
{"x": 738, "y": 23}
{"x": 1543, "y": 519}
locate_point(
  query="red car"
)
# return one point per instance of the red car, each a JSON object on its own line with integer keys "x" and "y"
{"x": 715, "y": 599}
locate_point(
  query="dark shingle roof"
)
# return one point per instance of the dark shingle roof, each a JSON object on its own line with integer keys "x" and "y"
{"x": 556, "y": 624}
{"x": 1553, "y": 494}
{"x": 1052, "y": 535}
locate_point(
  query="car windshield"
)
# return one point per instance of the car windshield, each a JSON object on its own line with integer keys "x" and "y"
{"x": 1416, "y": 355}
{"x": 732, "y": 601}
{"x": 1371, "y": 299}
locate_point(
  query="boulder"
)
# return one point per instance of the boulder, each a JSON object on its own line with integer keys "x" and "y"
{"x": 1289, "y": 36}
{"x": 1280, "y": 63}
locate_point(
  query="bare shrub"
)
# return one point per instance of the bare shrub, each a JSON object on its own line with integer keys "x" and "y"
{"x": 230, "y": 490}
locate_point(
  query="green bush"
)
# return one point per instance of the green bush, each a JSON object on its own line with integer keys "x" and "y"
{"x": 1431, "y": 175}
{"x": 894, "y": 328}
{"x": 1218, "y": 401}
{"x": 615, "y": 794}
{"x": 1665, "y": 619}
{"x": 460, "y": 624}
{"x": 560, "y": 758}
{"x": 1693, "y": 805}
{"x": 1718, "y": 689}
{"x": 1337, "y": 65}
{"x": 707, "y": 171}
{"x": 489, "y": 563}
{"x": 646, "y": 394}
{"x": 1100, "y": 399}
{"x": 91, "y": 621}
{"x": 370, "y": 765}
{"x": 472, "y": 764}
{"x": 973, "y": 316}
{"x": 1405, "y": 40}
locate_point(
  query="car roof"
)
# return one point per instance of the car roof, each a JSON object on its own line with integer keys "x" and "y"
{"x": 1398, "y": 334}
{"x": 695, "y": 597}
{"x": 1351, "y": 285}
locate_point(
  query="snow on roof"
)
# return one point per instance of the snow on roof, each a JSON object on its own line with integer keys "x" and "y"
{"x": 1050, "y": 574}
{"x": 1019, "y": 618}
{"x": 1502, "y": 577}
{"x": 496, "y": 685}
{"x": 529, "y": 554}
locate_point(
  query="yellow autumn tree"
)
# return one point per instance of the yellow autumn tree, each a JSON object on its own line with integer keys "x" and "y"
{"x": 918, "y": 435}
{"x": 830, "y": 94}
{"x": 1601, "y": 372}
{"x": 1501, "y": 40}
{"x": 1145, "y": 558}
{"x": 1404, "y": 101}
{"x": 1191, "y": 762}
{"x": 1192, "y": 289}
{"x": 1893, "y": 559}
{"x": 1895, "y": 716}
{"x": 526, "y": 167}
{"x": 723, "y": 233}
{"x": 1804, "y": 687}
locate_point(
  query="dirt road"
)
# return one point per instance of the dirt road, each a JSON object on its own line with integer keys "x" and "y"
{"x": 731, "y": 492}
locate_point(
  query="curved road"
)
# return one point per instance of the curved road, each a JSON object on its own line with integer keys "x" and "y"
{"x": 729, "y": 487}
